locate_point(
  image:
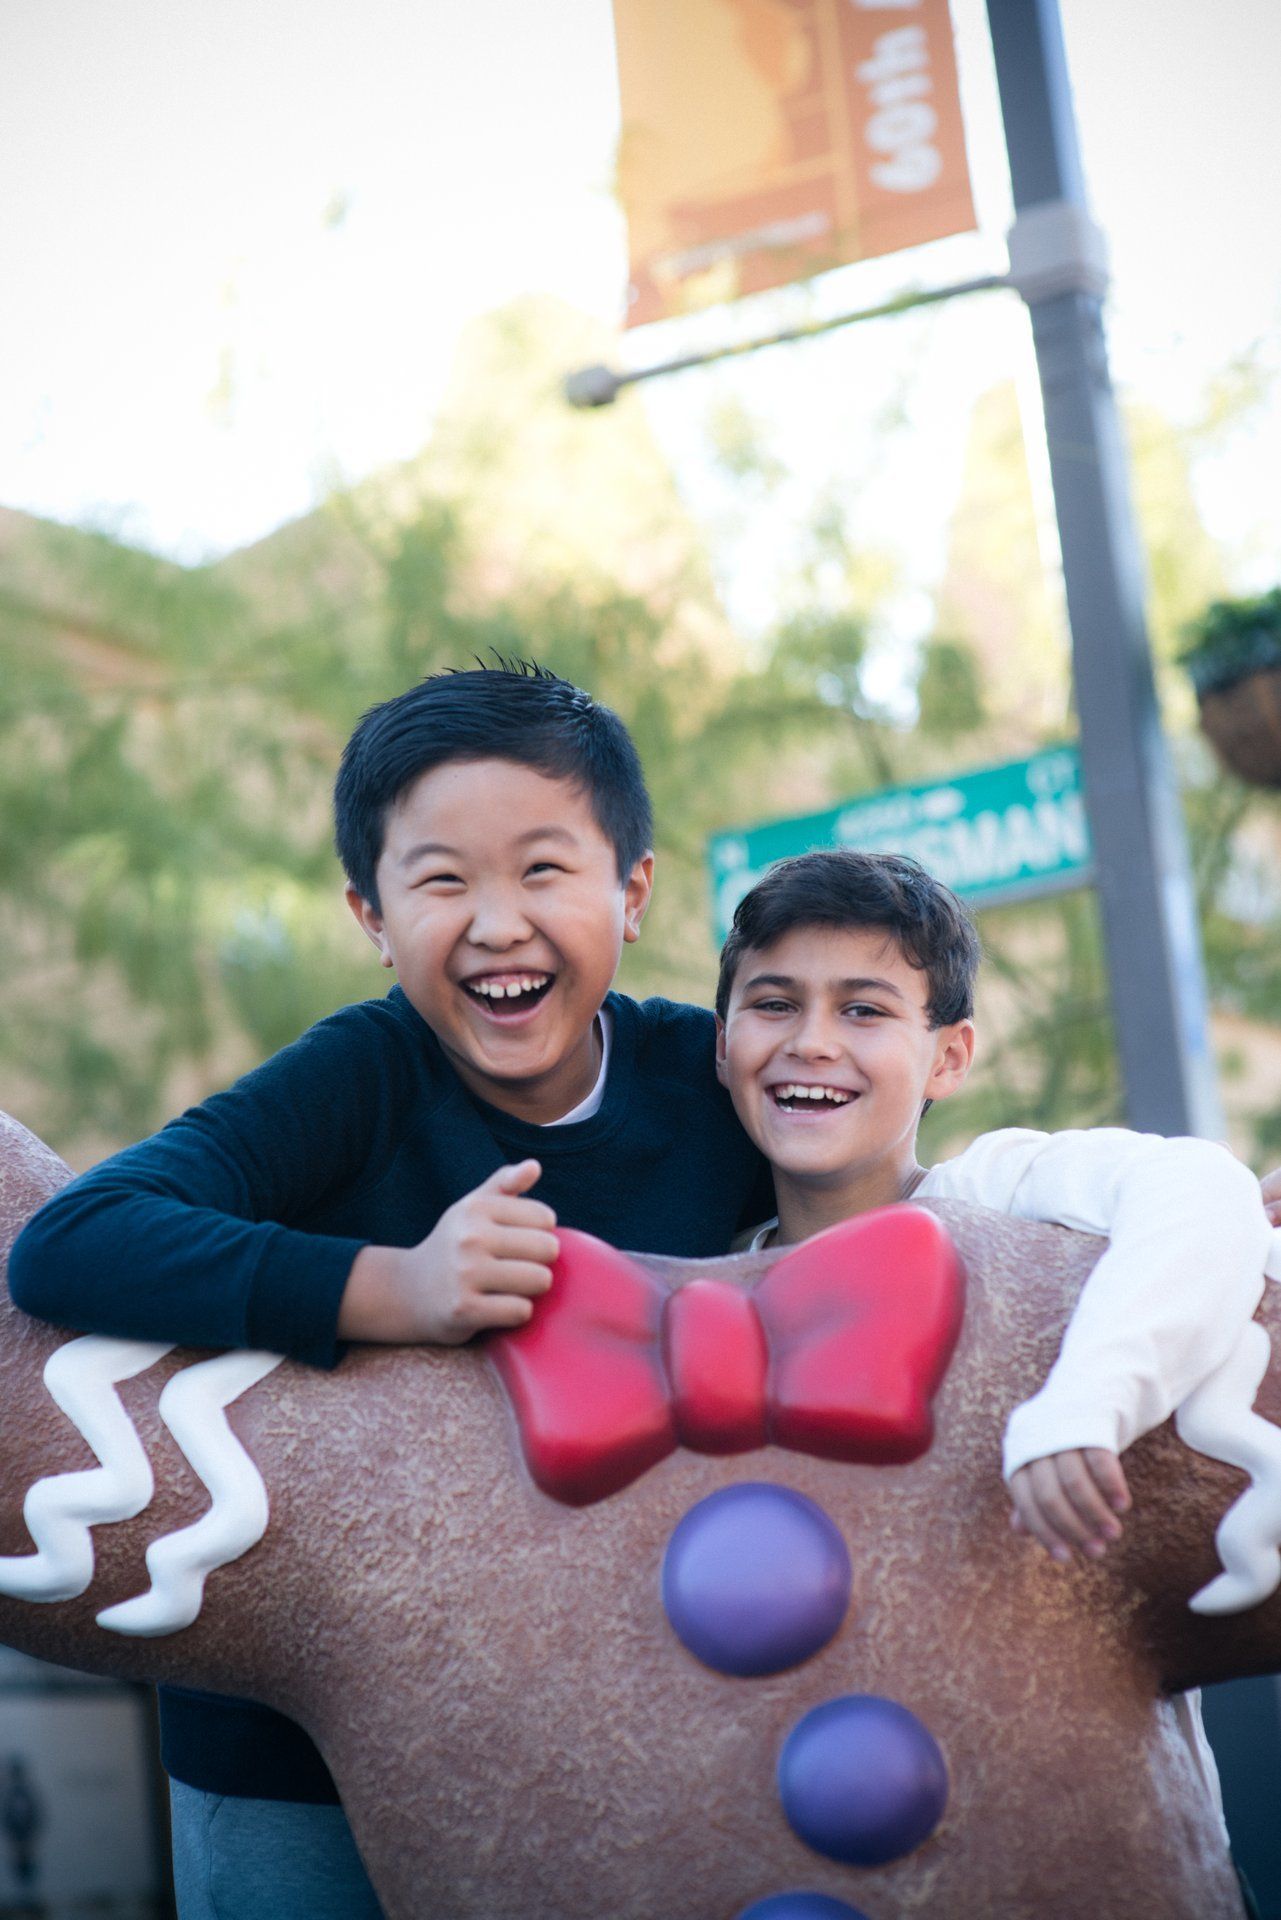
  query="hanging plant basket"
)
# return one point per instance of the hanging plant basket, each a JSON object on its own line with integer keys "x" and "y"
{"x": 1234, "y": 661}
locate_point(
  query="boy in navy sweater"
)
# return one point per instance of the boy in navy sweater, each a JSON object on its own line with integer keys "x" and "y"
{"x": 375, "y": 1181}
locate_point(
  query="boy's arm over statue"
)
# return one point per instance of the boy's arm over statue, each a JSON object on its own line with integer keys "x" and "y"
{"x": 1182, "y": 1274}
{"x": 240, "y": 1224}
{"x": 221, "y": 1230}
{"x": 482, "y": 1266}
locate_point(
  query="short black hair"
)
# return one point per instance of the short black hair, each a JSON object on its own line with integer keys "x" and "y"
{"x": 515, "y": 711}
{"x": 843, "y": 887}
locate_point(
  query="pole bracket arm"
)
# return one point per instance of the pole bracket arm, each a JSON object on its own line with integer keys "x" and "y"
{"x": 600, "y": 386}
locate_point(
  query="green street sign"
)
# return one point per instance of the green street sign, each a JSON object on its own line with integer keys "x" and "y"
{"x": 1006, "y": 833}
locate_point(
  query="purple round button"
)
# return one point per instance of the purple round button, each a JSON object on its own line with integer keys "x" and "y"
{"x": 862, "y": 1780}
{"x": 801, "y": 1906}
{"x": 755, "y": 1578}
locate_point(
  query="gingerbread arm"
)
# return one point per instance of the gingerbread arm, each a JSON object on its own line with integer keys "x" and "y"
{"x": 1206, "y": 1531}
{"x": 126, "y": 1483}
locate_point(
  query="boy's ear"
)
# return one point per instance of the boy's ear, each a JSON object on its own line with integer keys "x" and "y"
{"x": 370, "y": 922}
{"x": 953, "y": 1058}
{"x": 720, "y": 1051}
{"x": 637, "y": 888}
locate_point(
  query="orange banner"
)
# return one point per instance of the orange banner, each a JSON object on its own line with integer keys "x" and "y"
{"x": 767, "y": 140}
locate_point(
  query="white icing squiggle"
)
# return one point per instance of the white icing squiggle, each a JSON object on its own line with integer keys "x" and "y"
{"x": 60, "y": 1509}
{"x": 191, "y": 1406}
{"x": 1217, "y": 1419}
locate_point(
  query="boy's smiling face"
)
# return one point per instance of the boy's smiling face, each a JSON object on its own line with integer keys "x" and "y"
{"x": 829, "y": 1055}
{"x": 501, "y": 909}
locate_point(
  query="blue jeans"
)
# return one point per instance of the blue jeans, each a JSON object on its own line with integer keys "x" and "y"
{"x": 265, "y": 1860}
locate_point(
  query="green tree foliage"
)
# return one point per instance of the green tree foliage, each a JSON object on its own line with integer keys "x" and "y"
{"x": 997, "y": 598}
{"x": 170, "y": 906}
{"x": 153, "y": 800}
{"x": 949, "y": 692}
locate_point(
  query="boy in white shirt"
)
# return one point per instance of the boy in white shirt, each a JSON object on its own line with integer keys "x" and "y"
{"x": 845, "y": 1008}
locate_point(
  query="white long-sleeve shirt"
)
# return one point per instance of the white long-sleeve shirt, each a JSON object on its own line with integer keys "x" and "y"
{"x": 1166, "y": 1302}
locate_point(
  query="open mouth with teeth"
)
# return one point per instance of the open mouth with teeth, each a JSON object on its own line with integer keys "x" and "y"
{"x": 504, "y": 995}
{"x": 796, "y": 1098}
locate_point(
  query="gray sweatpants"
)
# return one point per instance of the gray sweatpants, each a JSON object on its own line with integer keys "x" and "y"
{"x": 265, "y": 1860}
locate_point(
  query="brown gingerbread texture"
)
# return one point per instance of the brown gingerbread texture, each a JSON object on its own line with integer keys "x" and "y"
{"x": 515, "y": 1729}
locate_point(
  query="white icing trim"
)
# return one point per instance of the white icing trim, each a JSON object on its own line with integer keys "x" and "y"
{"x": 191, "y": 1406}
{"x": 1217, "y": 1419}
{"x": 60, "y": 1509}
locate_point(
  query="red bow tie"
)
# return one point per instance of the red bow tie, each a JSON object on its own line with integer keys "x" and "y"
{"x": 837, "y": 1351}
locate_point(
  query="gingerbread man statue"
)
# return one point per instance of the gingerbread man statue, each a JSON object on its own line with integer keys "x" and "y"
{"x": 697, "y": 1597}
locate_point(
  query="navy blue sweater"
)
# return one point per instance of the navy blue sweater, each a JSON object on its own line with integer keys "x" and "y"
{"x": 237, "y": 1226}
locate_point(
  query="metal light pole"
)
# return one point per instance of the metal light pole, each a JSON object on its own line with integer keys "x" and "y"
{"x": 1058, "y": 265}
{"x": 1149, "y": 923}
{"x": 1153, "y": 946}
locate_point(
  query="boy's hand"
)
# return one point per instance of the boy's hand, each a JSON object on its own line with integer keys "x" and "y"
{"x": 1270, "y": 1187}
{"x": 1071, "y": 1500}
{"x": 484, "y": 1263}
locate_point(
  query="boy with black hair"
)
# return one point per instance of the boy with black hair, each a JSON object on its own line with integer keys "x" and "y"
{"x": 373, "y": 1181}
{"x": 844, "y": 1009}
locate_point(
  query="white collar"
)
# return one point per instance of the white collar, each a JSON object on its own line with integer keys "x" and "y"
{"x": 763, "y": 1237}
{"x": 586, "y": 1108}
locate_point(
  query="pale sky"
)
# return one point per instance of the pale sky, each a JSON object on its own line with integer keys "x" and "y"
{"x": 240, "y": 242}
